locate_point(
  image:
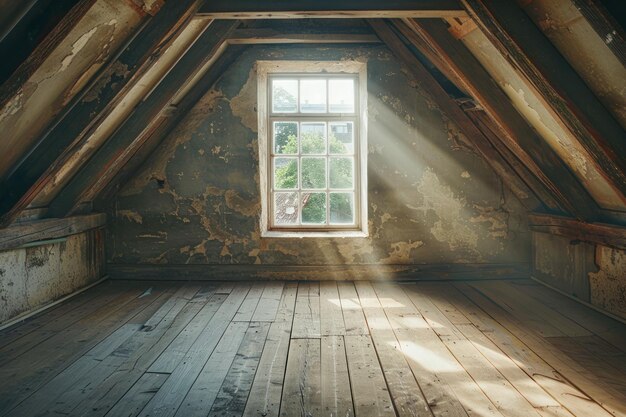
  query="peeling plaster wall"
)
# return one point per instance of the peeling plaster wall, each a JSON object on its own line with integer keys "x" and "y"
{"x": 62, "y": 75}
{"x": 35, "y": 276}
{"x": 592, "y": 273}
{"x": 432, "y": 199}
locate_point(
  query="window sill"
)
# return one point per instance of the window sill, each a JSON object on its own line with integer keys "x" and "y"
{"x": 321, "y": 234}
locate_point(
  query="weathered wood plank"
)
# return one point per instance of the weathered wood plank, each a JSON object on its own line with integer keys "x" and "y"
{"x": 306, "y": 322}
{"x": 249, "y": 305}
{"x": 369, "y": 390}
{"x": 231, "y": 400}
{"x": 205, "y": 389}
{"x": 266, "y": 390}
{"x": 331, "y": 316}
{"x": 172, "y": 393}
{"x": 107, "y": 393}
{"x": 271, "y": 36}
{"x": 604, "y": 234}
{"x": 21, "y": 234}
{"x": 406, "y": 394}
{"x": 269, "y": 303}
{"x": 127, "y": 353}
{"x": 302, "y": 390}
{"x": 250, "y": 9}
{"x": 352, "y": 311}
{"x": 18, "y": 382}
{"x": 131, "y": 404}
{"x": 592, "y": 399}
{"x": 336, "y": 393}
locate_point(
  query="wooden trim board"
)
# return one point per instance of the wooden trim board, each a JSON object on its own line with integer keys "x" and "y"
{"x": 21, "y": 234}
{"x": 319, "y": 272}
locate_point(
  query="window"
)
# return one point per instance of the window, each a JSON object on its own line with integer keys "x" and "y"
{"x": 312, "y": 148}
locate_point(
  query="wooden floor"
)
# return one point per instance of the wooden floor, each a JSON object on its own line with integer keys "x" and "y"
{"x": 489, "y": 348}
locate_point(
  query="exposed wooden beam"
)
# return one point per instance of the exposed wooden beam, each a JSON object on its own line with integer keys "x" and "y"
{"x": 133, "y": 133}
{"x": 22, "y": 234}
{"x": 91, "y": 106}
{"x": 605, "y": 26}
{"x": 603, "y": 234}
{"x": 304, "y": 9}
{"x": 12, "y": 85}
{"x": 449, "y": 107}
{"x": 21, "y": 32}
{"x": 103, "y": 194}
{"x": 518, "y": 136}
{"x": 494, "y": 133}
{"x": 524, "y": 45}
{"x": 271, "y": 36}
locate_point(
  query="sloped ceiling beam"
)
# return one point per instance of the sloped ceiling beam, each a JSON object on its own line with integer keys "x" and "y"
{"x": 522, "y": 43}
{"x": 23, "y": 25}
{"x": 133, "y": 133}
{"x": 169, "y": 120}
{"x": 448, "y": 106}
{"x": 23, "y": 72}
{"x": 254, "y": 9}
{"x": 605, "y": 26}
{"x": 518, "y": 136}
{"x": 96, "y": 101}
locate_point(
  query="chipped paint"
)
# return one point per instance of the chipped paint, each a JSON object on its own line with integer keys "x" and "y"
{"x": 33, "y": 277}
{"x": 400, "y": 252}
{"x": 608, "y": 284}
{"x": 66, "y": 70}
{"x": 202, "y": 188}
{"x": 528, "y": 103}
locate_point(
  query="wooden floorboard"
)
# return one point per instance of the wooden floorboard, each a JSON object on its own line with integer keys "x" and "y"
{"x": 497, "y": 348}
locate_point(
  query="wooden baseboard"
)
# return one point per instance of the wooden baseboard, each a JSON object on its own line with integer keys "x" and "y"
{"x": 578, "y": 300}
{"x": 27, "y": 314}
{"x": 319, "y": 272}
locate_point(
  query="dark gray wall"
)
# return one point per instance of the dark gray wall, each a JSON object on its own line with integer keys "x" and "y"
{"x": 432, "y": 199}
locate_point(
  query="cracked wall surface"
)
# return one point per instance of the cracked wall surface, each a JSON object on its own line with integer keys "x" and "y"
{"x": 432, "y": 199}
{"x": 592, "y": 273}
{"x": 32, "y": 277}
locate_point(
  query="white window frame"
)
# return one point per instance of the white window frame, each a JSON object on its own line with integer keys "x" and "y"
{"x": 265, "y": 71}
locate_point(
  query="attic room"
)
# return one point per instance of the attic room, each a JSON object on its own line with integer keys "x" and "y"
{"x": 313, "y": 208}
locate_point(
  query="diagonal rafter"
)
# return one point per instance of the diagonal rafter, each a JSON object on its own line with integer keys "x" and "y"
{"x": 104, "y": 192}
{"x": 120, "y": 147}
{"x": 94, "y": 103}
{"x": 517, "y": 135}
{"x": 513, "y": 33}
{"x": 577, "y": 204}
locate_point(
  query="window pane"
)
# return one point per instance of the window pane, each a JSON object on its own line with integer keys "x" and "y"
{"x": 341, "y": 173}
{"x": 312, "y": 96}
{"x": 284, "y": 96}
{"x": 285, "y": 173}
{"x": 341, "y": 140}
{"x": 341, "y": 92}
{"x": 286, "y": 137}
{"x": 313, "y": 138}
{"x": 313, "y": 173}
{"x": 314, "y": 208}
{"x": 285, "y": 208}
{"x": 342, "y": 208}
